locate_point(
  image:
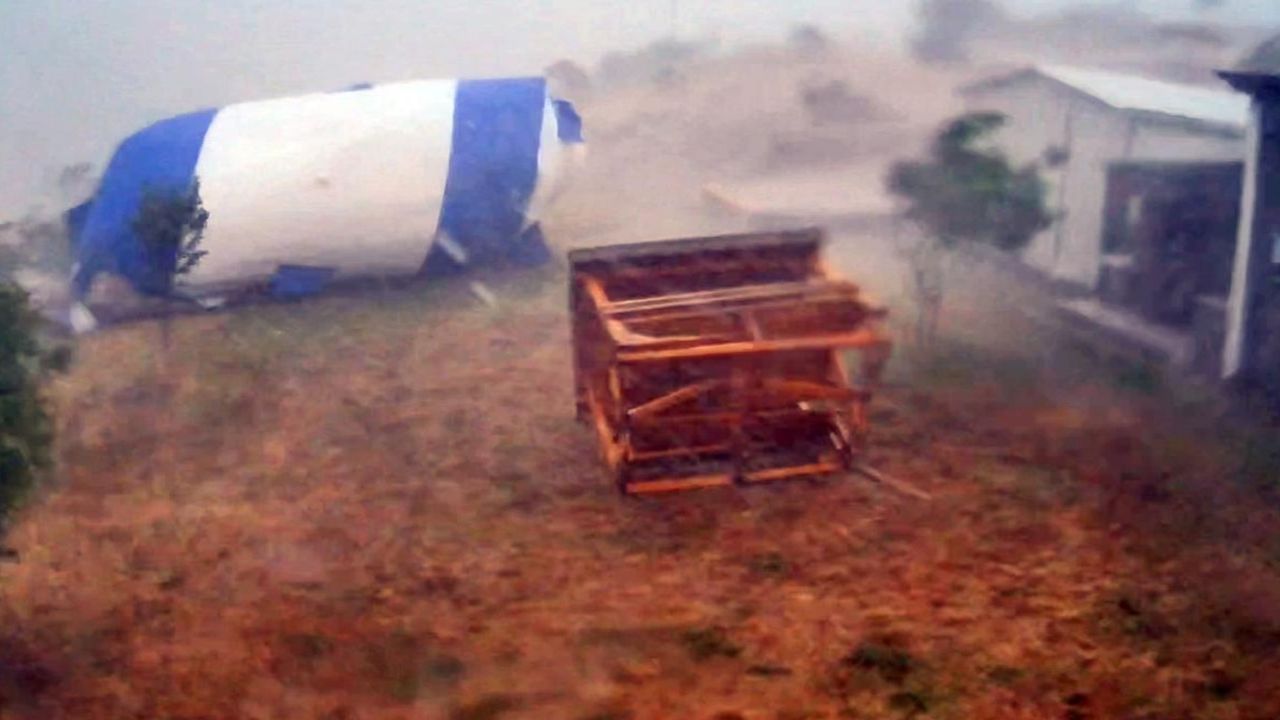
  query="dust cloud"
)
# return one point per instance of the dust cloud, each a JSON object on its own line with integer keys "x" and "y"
{"x": 378, "y": 505}
{"x": 80, "y": 76}
{"x": 793, "y": 113}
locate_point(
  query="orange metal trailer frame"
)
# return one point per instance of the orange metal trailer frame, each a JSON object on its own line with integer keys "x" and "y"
{"x": 712, "y": 361}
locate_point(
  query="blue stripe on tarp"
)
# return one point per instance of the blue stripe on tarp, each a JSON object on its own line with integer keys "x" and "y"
{"x": 161, "y": 157}
{"x": 493, "y": 165}
{"x": 568, "y": 122}
{"x": 295, "y": 281}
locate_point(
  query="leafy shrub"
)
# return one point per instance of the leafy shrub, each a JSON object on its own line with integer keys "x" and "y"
{"x": 710, "y": 642}
{"x": 170, "y": 224}
{"x": 965, "y": 194}
{"x": 26, "y": 431}
{"x": 968, "y": 192}
{"x": 890, "y": 663}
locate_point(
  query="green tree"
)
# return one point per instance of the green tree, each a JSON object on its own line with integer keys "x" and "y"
{"x": 965, "y": 192}
{"x": 26, "y": 430}
{"x": 170, "y": 223}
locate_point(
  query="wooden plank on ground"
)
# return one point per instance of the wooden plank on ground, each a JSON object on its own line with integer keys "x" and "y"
{"x": 822, "y": 468}
{"x": 655, "y": 487}
{"x": 900, "y": 485}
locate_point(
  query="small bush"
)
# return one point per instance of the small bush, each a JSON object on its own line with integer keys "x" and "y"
{"x": 769, "y": 563}
{"x": 890, "y": 663}
{"x": 769, "y": 671}
{"x": 707, "y": 643}
{"x": 910, "y": 702}
{"x": 968, "y": 191}
{"x": 1005, "y": 675}
{"x": 26, "y": 431}
{"x": 1142, "y": 377}
{"x": 170, "y": 224}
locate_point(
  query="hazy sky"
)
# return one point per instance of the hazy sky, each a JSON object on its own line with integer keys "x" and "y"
{"x": 78, "y": 75}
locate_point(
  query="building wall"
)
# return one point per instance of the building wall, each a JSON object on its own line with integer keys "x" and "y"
{"x": 1044, "y": 114}
{"x": 1161, "y": 142}
{"x": 1252, "y": 349}
{"x": 1233, "y": 352}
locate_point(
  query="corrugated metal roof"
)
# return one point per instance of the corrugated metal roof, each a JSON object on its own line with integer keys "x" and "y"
{"x": 1133, "y": 93}
{"x": 1139, "y": 94}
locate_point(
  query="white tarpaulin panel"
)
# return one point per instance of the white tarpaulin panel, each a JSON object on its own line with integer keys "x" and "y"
{"x": 370, "y": 181}
{"x": 351, "y": 181}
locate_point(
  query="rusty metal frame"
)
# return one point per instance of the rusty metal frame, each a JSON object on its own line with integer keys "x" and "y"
{"x": 704, "y": 362}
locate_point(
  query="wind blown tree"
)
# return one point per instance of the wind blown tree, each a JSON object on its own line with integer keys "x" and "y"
{"x": 170, "y": 224}
{"x": 26, "y": 430}
{"x": 966, "y": 192}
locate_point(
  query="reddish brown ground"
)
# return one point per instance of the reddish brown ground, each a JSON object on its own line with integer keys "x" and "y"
{"x": 382, "y": 508}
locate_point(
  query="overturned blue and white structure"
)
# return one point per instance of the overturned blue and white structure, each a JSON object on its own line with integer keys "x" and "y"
{"x": 377, "y": 180}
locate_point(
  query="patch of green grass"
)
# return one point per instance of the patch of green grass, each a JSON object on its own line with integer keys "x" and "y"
{"x": 1030, "y": 487}
{"x": 710, "y": 642}
{"x": 955, "y": 363}
{"x": 769, "y": 563}
{"x": 911, "y": 702}
{"x": 519, "y": 489}
{"x": 1259, "y": 460}
{"x": 404, "y": 667}
{"x": 881, "y": 668}
{"x": 1142, "y": 376}
{"x": 892, "y": 664}
{"x": 1128, "y": 615}
{"x": 1042, "y": 363}
{"x": 763, "y": 670}
{"x": 404, "y": 685}
{"x": 444, "y": 668}
{"x": 1138, "y": 619}
{"x": 1005, "y": 675}
{"x": 309, "y": 646}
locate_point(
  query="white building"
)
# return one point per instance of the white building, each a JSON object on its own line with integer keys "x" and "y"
{"x": 1252, "y": 345}
{"x": 1089, "y": 119}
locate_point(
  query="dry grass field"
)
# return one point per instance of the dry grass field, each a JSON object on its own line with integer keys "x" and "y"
{"x": 381, "y": 507}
